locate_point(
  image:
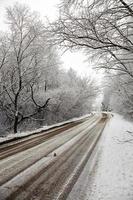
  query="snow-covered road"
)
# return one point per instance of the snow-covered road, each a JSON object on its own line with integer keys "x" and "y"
{"x": 34, "y": 172}
{"x": 110, "y": 175}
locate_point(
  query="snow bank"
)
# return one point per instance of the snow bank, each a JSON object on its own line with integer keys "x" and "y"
{"x": 44, "y": 128}
{"x": 112, "y": 175}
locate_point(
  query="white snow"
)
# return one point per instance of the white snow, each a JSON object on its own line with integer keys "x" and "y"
{"x": 44, "y": 128}
{"x": 111, "y": 178}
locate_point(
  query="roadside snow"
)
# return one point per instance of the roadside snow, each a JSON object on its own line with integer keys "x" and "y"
{"x": 112, "y": 175}
{"x": 44, "y": 128}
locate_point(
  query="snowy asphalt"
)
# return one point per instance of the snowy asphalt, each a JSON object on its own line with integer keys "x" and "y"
{"x": 35, "y": 173}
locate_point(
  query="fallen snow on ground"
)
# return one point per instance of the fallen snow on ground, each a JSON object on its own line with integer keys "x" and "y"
{"x": 112, "y": 175}
{"x": 44, "y": 128}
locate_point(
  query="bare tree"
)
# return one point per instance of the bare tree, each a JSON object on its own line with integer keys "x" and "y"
{"x": 103, "y": 28}
{"x": 22, "y": 71}
{"x": 4, "y": 50}
{"x": 33, "y": 87}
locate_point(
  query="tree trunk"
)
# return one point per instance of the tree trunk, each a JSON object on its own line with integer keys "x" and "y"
{"x": 16, "y": 123}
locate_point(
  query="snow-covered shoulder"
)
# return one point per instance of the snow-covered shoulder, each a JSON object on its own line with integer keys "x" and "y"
{"x": 112, "y": 176}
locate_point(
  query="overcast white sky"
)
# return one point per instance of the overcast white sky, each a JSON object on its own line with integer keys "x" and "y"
{"x": 49, "y": 8}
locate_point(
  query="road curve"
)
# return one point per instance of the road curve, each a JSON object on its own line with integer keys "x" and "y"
{"x": 45, "y": 167}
